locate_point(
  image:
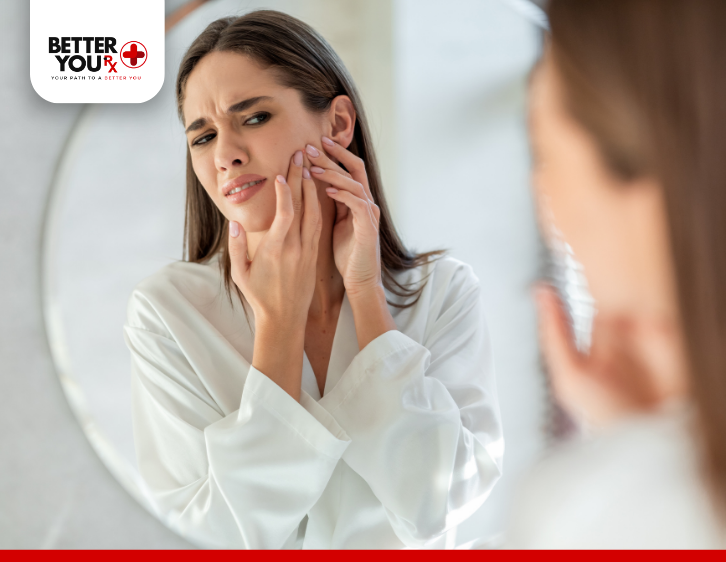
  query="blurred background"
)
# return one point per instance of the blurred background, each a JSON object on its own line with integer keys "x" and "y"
{"x": 93, "y": 203}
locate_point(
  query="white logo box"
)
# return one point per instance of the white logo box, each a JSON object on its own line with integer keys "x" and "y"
{"x": 84, "y": 34}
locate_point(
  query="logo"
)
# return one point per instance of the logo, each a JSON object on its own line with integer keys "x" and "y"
{"x": 83, "y": 51}
{"x": 134, "y": 57}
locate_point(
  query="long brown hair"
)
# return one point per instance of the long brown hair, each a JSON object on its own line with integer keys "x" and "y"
{"x": 647, "y": 78}
{"x": 303, "y": 60}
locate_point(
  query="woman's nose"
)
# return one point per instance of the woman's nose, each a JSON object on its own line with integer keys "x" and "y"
{"x": 229, "y": 152}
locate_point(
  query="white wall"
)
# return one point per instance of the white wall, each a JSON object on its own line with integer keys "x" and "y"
{"x": 463, "y": 166}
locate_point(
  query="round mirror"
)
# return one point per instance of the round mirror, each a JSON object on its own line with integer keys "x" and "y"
{"x": 445, "y": 91}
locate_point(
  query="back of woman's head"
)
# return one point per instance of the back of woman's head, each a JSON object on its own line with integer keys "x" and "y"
{"x": 647, "y": 78}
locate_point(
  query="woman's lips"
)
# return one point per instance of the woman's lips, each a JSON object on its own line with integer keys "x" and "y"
{"x": 246, "y": 194}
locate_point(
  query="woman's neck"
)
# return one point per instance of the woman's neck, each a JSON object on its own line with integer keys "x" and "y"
{"x": 329, "y": 287}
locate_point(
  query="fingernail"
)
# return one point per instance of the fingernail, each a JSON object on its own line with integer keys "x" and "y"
{"x": 331, "y": 190}
{"x": 306, "y": 174}
{"x": 311, "y": 150}
{"x": 297, "y": 158}
{"x": 233, "y": 229}
{"x": 281, "y": 179}
{"x": 316, "y": 169}
{"x": 327, "y": 141}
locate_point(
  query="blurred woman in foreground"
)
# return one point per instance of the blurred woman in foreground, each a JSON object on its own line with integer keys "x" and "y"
{"x": 628, "y": 126}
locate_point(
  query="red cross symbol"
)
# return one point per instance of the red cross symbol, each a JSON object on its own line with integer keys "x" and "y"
{"x": 135, "y": 52}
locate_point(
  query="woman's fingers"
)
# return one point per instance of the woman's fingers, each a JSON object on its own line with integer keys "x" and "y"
{"x": 238, "y": 252}
{"x": 284, "y": 212}
{"x": 319, "y": 158}
{"x": 557, "y": 340}
{"x": 352, "y": 163}
{"x": 294, "y": 180}
{"x": 340, "y": 182}
{"x": 312, "y": 216}
{"x": 607, "y": 382}
{"x": 318, "y": 229}
{"x": 360, "y": 208}
{"x": 618, "y": 366}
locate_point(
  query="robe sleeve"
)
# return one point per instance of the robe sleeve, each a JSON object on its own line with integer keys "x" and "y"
{"x": 246, "y": 479}
{"x": 424, "y": 420}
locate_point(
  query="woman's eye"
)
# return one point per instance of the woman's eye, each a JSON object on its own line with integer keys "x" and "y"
{"x": 257, "y": 119}
{"x": 199, "y": 140}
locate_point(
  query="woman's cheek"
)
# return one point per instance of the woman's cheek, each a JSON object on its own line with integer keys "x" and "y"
{"x": 547, "y": 201}
{"x": 207, "y": 180}
{"x": 257, "y": 214}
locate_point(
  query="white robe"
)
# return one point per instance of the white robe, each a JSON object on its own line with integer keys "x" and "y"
{"x": 634, "y": 485}
{"x": 405, "y": 443}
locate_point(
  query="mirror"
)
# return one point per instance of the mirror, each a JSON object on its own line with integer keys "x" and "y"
{"x": 445, "y": 92}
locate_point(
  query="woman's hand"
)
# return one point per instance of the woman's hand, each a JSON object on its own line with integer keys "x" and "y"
{"x": 355, "y": 234}
{"x": 617, "y": 377}
{"x": 279, "y": 281}
{"x": 356, "y": 248}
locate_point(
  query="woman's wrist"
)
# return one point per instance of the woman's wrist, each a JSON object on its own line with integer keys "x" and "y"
{"x": 278, "y": 353}
{"x": 371, "y": 314}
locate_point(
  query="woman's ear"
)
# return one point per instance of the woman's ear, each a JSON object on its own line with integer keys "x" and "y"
{"x": 342, "y": 119}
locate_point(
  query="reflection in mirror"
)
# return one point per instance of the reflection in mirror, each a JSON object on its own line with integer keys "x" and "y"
{"x": 445, "y": 101}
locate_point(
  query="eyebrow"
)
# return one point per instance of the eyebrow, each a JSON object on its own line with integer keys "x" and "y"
{"x": 236, "y": 108}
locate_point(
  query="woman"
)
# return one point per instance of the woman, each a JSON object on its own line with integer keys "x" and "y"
{"x": 302, "y": 380}
{"x": 628, "y": 129}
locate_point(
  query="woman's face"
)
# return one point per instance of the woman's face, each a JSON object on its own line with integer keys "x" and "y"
{"x": 617, "y": 229}
{"x": 251, "y": 128}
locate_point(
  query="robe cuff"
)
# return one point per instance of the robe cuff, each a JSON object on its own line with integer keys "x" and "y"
{"x": 307, "y": 418}
{"x": 377, "y": 351}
